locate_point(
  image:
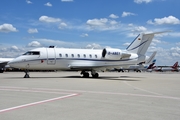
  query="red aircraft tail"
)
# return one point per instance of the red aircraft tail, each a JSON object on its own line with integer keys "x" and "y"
{"x": 175, "y": 66}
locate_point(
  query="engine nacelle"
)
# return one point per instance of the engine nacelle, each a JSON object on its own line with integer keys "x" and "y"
{"x": 111, "y": 54}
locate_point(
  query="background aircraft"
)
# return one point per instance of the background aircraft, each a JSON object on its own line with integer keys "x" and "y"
{"x": 173, "y": 68}
{"x": 3, "y": 63}
{"x": 138, "y": 68}
{"x": 84, "y": 59}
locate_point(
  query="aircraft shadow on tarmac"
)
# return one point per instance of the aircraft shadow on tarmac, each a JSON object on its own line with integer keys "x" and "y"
{"x": 118, "y": 78}
{"x": 121, "y": 78}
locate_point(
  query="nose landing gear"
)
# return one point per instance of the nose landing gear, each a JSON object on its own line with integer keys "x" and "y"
{"x": 26, "y": 74}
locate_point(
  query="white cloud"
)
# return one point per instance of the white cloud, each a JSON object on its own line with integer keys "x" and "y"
{"x": 175, "y": 34}
{"x": 14, "y": 47}
{"x": 142, "y": 1}
{"x": 113, "y": 16}
{"x": 178, "y": 43}
{"x": 175, "y": 51}
{"x": 67, "y": 0}
{"x": 58, "y": 43}
{"x": 126, "y": 44}
{"x": 139, "y": 29}
{"x": 156, "y": 40}
{"x": 62, "y": 25}
{"x": 84, "y": 35}
{"x": 7, "y": 28}
{"x": 94, "y": 46}
{"x": 34, "y": 44}
{"x": 49, "y": 19}
{"x": 28, "y": 2}
{"x": 125, "y": 14}
{"x": 8, "y": 51}
{"x": 102, "y": 24}
{"x": 97, "y": 22}
{"x": 166, "y": 20}
{"x": 48, "y": 4}
{"x": 32, "y": 30}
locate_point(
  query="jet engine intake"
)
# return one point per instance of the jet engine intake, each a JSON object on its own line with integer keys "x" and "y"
{"x": 111, "y": 54}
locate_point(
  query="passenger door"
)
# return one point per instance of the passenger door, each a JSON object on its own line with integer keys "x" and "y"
{"x": 51, "y": 56}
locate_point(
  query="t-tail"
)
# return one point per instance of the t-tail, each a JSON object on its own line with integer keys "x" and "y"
{"x": 141, "y": 43}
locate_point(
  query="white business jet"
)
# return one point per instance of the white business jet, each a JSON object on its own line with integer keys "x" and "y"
{"x": 84, "y": 60}
{"x": 3, "y": 63}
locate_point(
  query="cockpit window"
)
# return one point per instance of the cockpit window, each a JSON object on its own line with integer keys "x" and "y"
{"x": 32, "y": 53}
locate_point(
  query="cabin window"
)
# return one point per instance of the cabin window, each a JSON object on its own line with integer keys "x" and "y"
{"x": 90, "y": 56}
{"x": 95, "y": 56}
{"x": 32, "y": 53}
{"x": 72, "y": 55}
{"x": 84, "y": 55}
{"x": 66, "y": 55}
{"x": 60, "y": 55}
{"x": 78, "y": 55}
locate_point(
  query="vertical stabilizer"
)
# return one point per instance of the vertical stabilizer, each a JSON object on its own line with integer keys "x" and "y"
{"x": 141, "y": 44}
{"x": 175, "y": 66}
{"x": 151, "y": 58}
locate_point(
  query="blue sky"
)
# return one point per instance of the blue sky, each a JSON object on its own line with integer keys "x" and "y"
{"x": 27, "y": 24}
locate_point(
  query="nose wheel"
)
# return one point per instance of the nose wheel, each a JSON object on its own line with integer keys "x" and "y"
{"x": 26, "y": 74}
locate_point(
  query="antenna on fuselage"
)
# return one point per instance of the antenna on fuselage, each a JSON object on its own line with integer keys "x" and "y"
{"x": 51, "y": 46}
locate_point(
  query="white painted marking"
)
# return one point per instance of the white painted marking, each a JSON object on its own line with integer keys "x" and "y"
{"x": 36, "y": 103}
{"x": 100, "y": 92}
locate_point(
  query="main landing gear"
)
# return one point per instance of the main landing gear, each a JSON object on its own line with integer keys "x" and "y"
{"x": 26, "y": 74}
{"x": 93, "y": 73}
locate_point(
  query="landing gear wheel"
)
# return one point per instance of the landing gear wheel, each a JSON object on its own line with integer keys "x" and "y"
{"x": 96, "y": 75}
{"x": 85, "y": 75}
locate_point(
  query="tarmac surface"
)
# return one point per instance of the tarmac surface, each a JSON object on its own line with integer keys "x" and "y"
{"x": 67, "y": 96}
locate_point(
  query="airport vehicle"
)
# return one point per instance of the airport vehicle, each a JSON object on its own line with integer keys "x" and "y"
{"x": 84, "y": 60}
{"x": 3, "y": 63}
{"x": 173, "y": 68}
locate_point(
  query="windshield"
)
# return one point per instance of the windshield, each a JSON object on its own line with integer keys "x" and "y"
{"x": 32, "y": 53}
